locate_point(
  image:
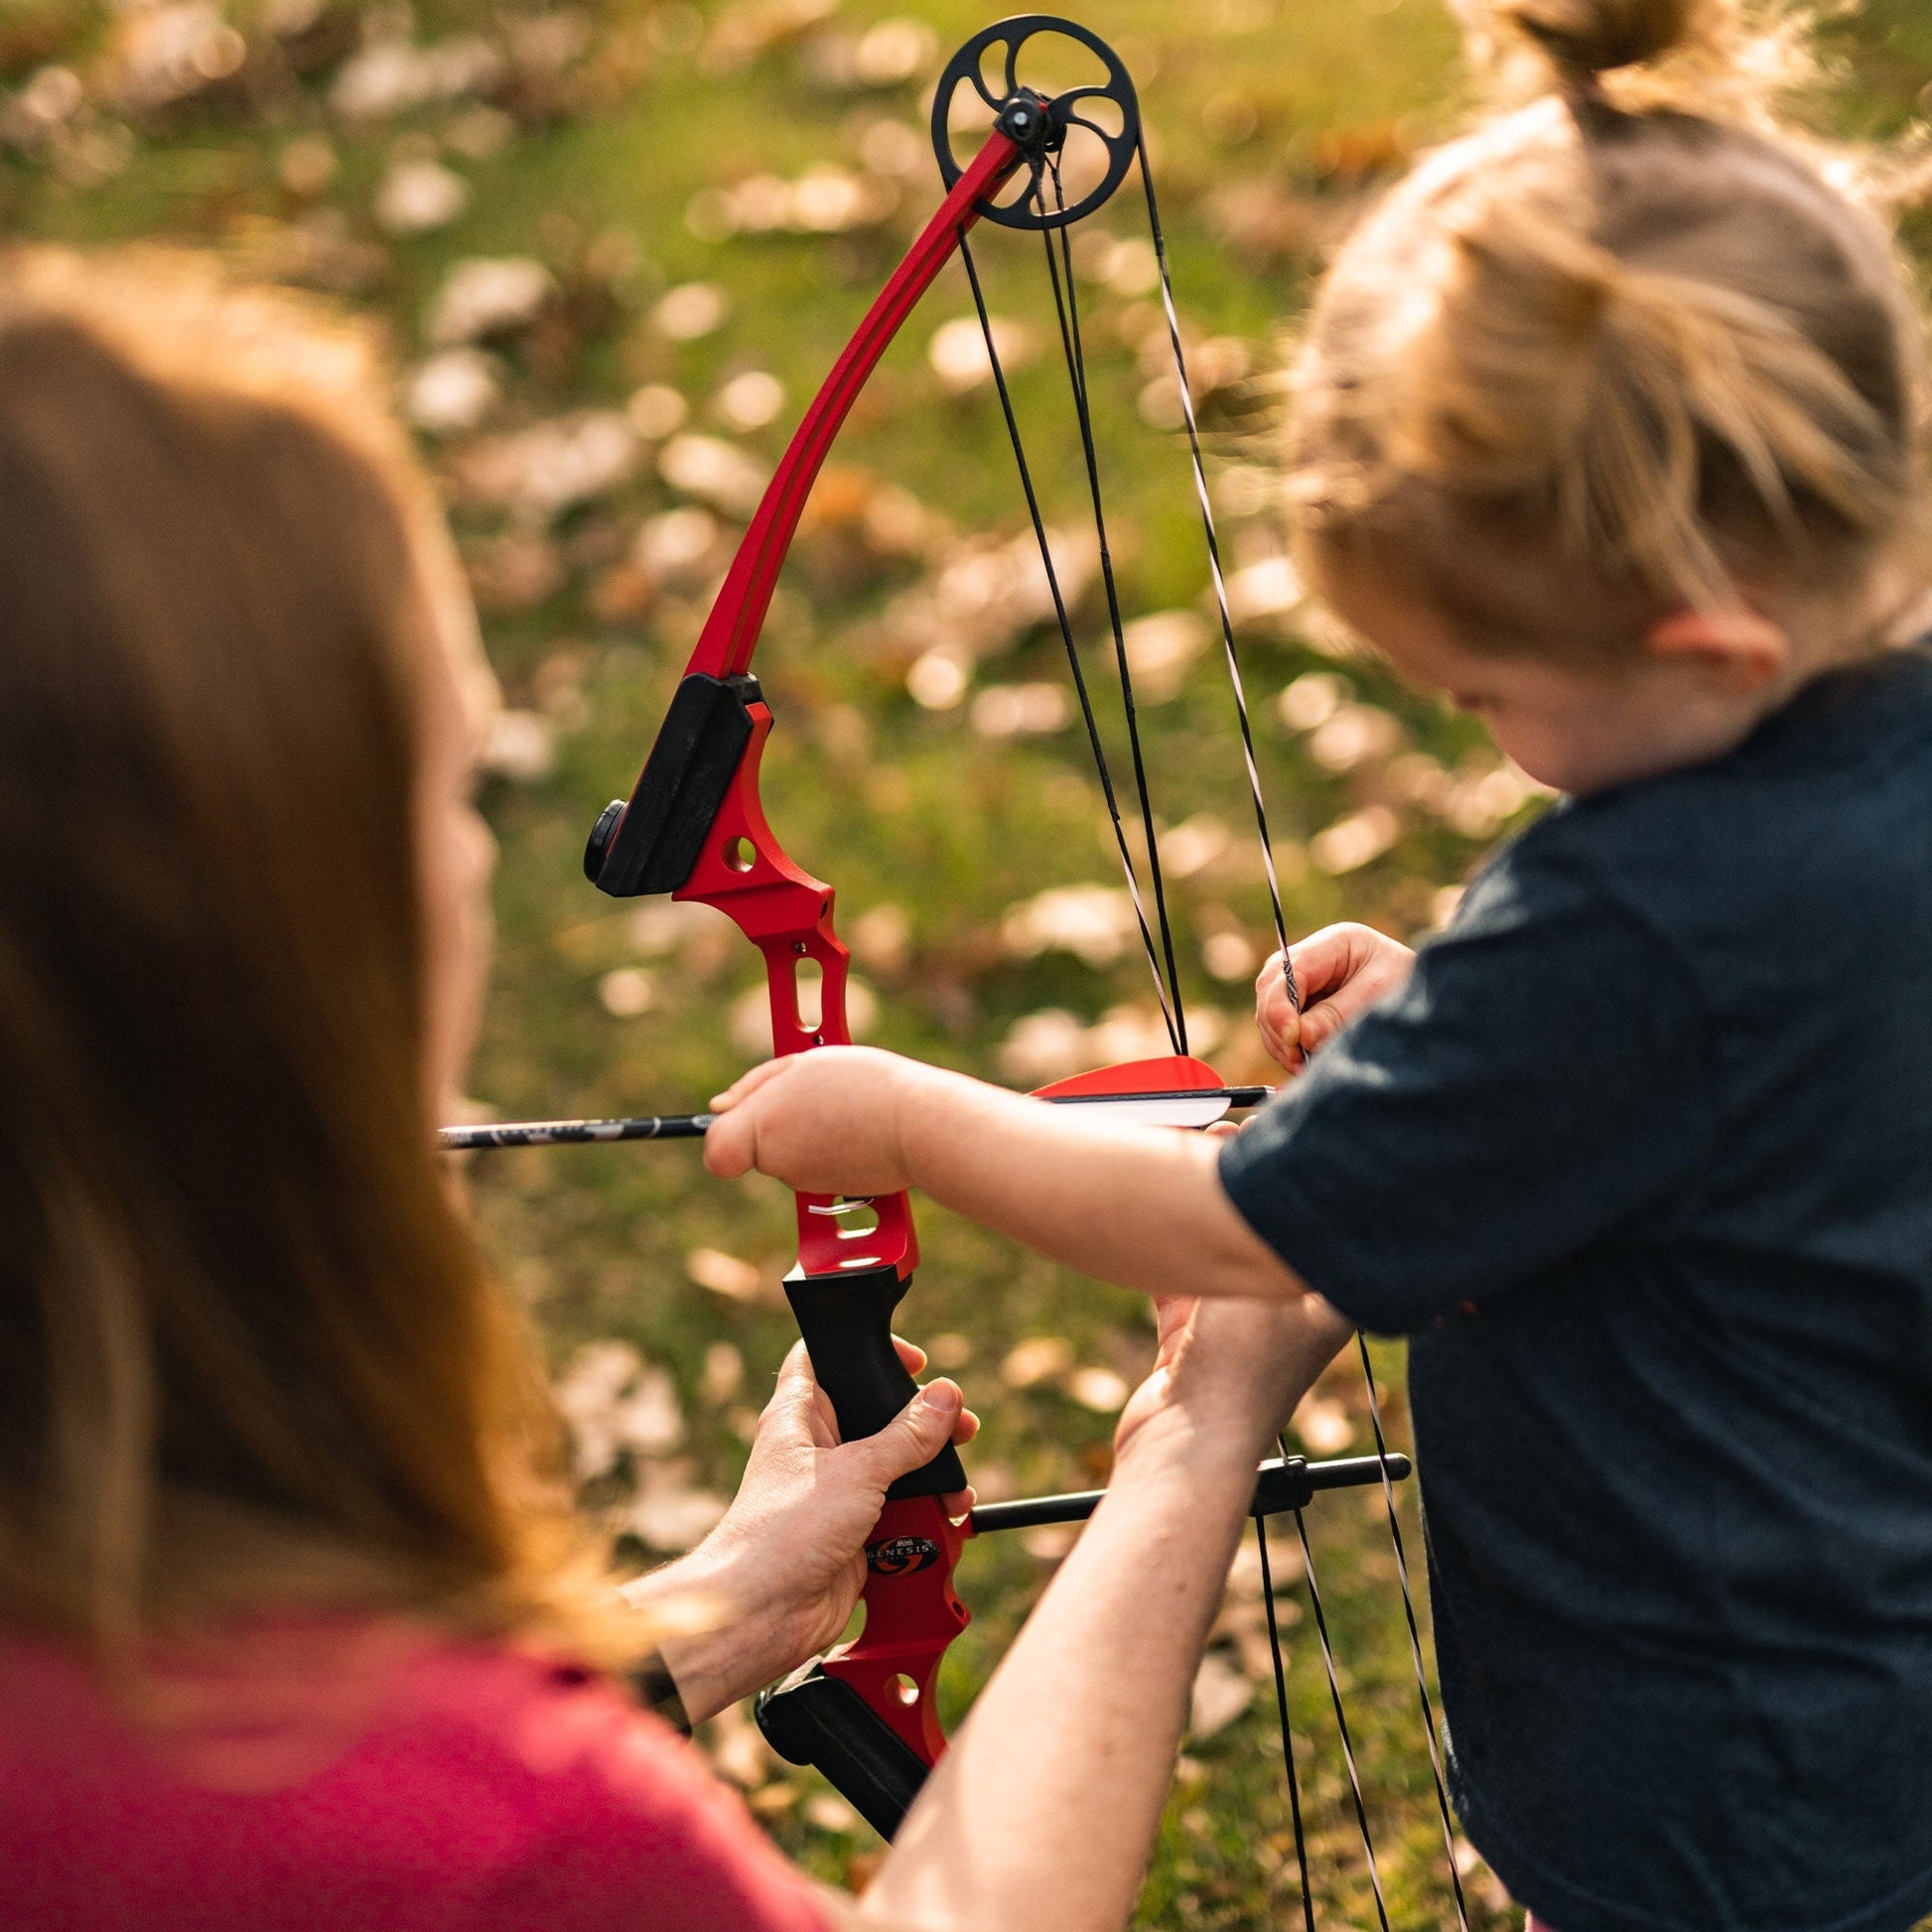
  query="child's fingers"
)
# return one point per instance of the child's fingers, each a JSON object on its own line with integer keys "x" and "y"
{"x": 747, "y": 1084}
{"x": 1343, "y": 969}
{"x": 1277, "y": 1016}
{"x": 1327, "y": 960}
{"x": 730, "y": 1145}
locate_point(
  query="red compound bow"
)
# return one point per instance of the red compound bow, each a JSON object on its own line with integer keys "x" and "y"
{"x": 694, "y": 827}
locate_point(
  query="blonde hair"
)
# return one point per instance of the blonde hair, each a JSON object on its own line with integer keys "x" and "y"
{"x": 1614, "y": 351}
{"x": 250, "y": 1356}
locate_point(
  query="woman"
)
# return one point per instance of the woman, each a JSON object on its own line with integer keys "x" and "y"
{"x": 294, "y": 1630}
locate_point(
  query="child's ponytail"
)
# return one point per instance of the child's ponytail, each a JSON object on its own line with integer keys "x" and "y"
{"x": 1581, "y": 39}
{"x": 1640, "y": 352}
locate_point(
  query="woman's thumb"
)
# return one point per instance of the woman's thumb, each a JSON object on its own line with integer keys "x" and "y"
{"x": 917, "y": 1433}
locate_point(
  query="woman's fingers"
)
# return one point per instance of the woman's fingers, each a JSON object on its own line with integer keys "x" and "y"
{"x": 914, "y": 1436}
{"x": 1232, "y": 1357}
{"x": 800, "y": 1408}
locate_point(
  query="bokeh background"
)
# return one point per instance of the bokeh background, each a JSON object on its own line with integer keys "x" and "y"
{"x": 616, "y": 245}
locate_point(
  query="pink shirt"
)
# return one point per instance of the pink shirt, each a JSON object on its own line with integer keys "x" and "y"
{"x": 359, "y": 1775}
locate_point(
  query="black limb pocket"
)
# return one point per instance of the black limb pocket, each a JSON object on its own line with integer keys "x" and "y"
{"x": 653, "y": 845}
{"x": 811, "y": 1718}
{"x": 847, "y": 1322}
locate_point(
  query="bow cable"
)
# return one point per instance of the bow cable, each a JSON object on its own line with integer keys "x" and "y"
{"x": 1341, "y": 1721}
{"x": 1415, "y": 1637}
{"x": 1169, "y": 1012}
{"x": 1065, "y": 299}
{"x": 1287, "y": 1735}
{"x": 1066, "y": 308}
{"x": 1238, "y": 687}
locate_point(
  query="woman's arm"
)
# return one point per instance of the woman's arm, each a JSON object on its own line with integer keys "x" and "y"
{"x": 1137, "y": 1205}
{"x": 1044, "y": 1811}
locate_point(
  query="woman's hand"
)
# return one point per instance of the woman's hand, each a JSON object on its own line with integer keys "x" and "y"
{"x": 825, "y": 1122}
{"x": 776, "y": 1580}
{"x": 1339, "y": 970}
{"x": 1230, "y": 1363}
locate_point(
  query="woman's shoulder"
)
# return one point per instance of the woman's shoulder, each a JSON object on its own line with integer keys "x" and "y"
{"x": 362, "y": 1772}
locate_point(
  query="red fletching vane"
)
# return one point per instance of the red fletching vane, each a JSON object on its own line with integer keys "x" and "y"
{"x": 1172, "y": 1090}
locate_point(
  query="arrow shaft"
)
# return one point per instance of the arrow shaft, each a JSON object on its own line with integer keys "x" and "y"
{"x": 573, "y": 1133}
{"x": 692, "y": 1127}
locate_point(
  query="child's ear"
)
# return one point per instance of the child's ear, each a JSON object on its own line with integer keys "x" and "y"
{"x": 1742, "y": 650}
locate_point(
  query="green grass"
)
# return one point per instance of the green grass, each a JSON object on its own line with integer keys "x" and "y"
{"x": 1297, "y": 106}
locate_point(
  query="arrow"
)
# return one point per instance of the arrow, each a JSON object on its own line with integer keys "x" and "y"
{"x": 1172, "y": 1107}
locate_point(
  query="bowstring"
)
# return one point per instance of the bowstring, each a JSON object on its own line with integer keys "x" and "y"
{"x": 1169, "y": 1012}
{"x": 1232, "y": 655}
{"x": 1238, "y": 686}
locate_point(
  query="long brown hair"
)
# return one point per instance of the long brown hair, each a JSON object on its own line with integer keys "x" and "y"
{"x": 248, "y": 1353}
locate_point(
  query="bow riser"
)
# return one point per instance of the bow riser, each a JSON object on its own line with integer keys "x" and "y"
{"x": 695, "y": 827}
{"x": 913, "y": 1614}
{"x": 743, "y": 871}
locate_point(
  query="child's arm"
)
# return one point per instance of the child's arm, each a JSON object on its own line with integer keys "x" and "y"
{"x": 1137, "y": 1205}
{"x": 1338, "y": 971}
{"x": 1143, "y": 1207}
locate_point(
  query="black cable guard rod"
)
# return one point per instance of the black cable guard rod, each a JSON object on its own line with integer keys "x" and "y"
{"x": 1282, "y": 1483}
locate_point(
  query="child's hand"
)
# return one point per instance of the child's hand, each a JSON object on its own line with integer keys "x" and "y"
{"x": 824, "y": 1122}
{"x": 1339, "y": 970}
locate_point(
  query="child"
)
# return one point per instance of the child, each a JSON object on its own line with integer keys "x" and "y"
{"x": 1607, "y": 426}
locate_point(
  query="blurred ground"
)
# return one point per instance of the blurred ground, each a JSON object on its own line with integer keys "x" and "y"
{"x": 617, "y": 245}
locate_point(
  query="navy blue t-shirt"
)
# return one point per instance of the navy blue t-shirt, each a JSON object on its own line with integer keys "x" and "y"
{"x": 1642, "y": 1158}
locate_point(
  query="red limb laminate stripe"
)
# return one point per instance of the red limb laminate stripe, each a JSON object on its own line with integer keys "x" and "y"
{"x": 780, "y": 907}
{"x": 731, "y": 632}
